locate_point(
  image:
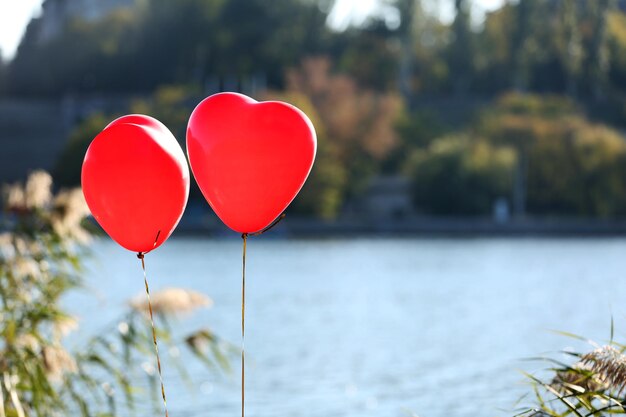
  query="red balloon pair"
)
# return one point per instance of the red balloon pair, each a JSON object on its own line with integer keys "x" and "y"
{"x": 249, "y": 158}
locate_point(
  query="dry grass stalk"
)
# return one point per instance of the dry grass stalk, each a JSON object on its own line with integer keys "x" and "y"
{"x": 71, "y": 209}
{"x": 200, "y": 340}
{"x": 37, "y": 192}
{"x": 172, "y": 301}
{"x": 609, "y": 365}
{"x": 57, "y": 362}
{"x": 577, "y": 380}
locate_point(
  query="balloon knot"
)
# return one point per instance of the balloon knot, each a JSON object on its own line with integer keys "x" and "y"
{"x": 140, "y": 255}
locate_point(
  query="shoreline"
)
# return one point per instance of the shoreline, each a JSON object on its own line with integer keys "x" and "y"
{"x": 208, "y": 224}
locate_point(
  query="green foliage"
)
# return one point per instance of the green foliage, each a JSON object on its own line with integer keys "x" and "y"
{"x": 42, "y": 247}
{"x": 593, "y": 385}
{"x": 566, "y": 47}
{"x": 324, "y": 192}
{"x": 494, "y": 53}
{"x": 171, "y": 105}
{"x": 70, "y": 162}
{"x": 616, "y": 26}
{"x": 572, "y": 166}
{"x": 460, "y": 175}
{"x": 580, "y": 171}
{"x": 370, "y": 56}
{"x": 596, "y": 63}
{"x": 571, "y": 52}
{"x": 565, "y": 164}
{"x": 418, "y": 129}
{"x": 569, "y": 44}
{"x": 543, "y": 106}
{"x": 170, "y": 41}
{"x": 460, "y": 54}
{"x": 356, "y": 129}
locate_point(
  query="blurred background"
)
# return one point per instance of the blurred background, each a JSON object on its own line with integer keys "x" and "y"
{"x": 471, "y": 110}
{"x": 469, "y": 190}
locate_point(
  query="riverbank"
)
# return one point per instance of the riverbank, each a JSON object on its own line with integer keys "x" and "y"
{"x": 198, "y": 221}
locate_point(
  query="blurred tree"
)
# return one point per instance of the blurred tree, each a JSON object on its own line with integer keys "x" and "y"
{"x": 382, "y": 93}
{"x": 430, "y": 68}
{"x": 371, "y": 54}
{"x": 494, "y": 52}
{"x": 616, "y": 27}
{"x": 410, "y": 15}
{"x": 597, "y": 51}
{"x": 358, "y": 123}
{"x": 578, "y": 171}
{"x": 524, "y": 42}
{"x": 172, "y": 105}
{"x": 570, "y": 44}
{"x": 562, "y": 46}
{"x": 408, "y": 57}
{"x": 70, "y": 162}
{"x": 298, "y": 29}
{"x": 531, "y": 46}
{"x": 460, "y": 53}
{"x": 460, "y": 175}
{"x": 508, "y": 123}
{"x": 612, "y": 109}
{"x": 567, "y": 164}
{"x": 168, "y": 41}
{"x": 323, "y": 194}
{"x": 540, "y": 151}
{"x": 418, "y": 129}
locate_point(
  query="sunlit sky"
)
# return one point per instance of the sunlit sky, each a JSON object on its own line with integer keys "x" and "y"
{"x": 15, "y": 15}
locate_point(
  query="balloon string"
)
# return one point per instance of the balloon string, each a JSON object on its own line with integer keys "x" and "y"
{"x": 244, "y": 236}
{"x": 243, "y": 323}
{"x": 140, "y": 255}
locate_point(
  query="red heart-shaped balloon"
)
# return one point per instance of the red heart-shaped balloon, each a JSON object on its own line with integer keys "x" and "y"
{"x": 136, "y": 182}
{"x": 249, "y": 158}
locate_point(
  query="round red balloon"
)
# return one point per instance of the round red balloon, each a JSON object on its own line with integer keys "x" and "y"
{"x": 249, "y": 158}
{"x": 136, "y": 182}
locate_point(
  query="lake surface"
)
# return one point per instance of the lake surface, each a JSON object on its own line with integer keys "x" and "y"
{"x": 372, "y": 327}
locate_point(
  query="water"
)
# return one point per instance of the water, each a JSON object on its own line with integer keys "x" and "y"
{"x": 373, "y": 327}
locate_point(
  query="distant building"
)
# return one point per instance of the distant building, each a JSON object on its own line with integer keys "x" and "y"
{"x": 388, "y": 198}
{"x": 57, "y": 13}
